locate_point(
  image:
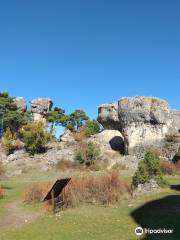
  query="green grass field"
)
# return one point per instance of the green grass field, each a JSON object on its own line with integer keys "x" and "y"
{"x": 88, "y": 222}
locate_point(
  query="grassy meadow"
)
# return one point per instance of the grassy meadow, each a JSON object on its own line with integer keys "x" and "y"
{"x": 87, "y": 221}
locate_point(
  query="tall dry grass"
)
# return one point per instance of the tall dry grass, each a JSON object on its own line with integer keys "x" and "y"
{"x": 36, "y": 192}
{"x": 169, "y": 168}
{"x": 104, "y": 189}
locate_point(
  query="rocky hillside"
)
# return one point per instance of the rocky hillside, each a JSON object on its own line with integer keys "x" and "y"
{"x": 131, "y": 126}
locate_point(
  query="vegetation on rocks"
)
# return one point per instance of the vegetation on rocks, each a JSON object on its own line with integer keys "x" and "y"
{"x": 35, "y": 136}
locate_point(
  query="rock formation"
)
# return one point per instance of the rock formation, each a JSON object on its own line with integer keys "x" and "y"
{"x": 40, "y": 107}
{"x": 21, "y": 104}
{"x": 108, "y": 116}
{"x": 143, "y": 121}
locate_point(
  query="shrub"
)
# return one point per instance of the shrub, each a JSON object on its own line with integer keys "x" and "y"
{"x": 167, "y": 167}
{"x": 104, "y": 189}
{"x": 10, "y": 143}
{"x": 35, "y": 136}
{"x": 148, "y": 168}
{"x": 87, "y": 153}
{"x": 36, "y": 192}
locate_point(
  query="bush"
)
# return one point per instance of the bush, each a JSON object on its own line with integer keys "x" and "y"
{"x": 10, "y": 143}
{"x": 167, "y": 167}
{"x": 148, "y": 168}
{"x": 35, "y": 136}
{"x": 87, "y": 154}
{"x": 104, "y": 189}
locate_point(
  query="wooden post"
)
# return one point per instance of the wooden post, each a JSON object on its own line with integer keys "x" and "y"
{"x": 53, "y": 201}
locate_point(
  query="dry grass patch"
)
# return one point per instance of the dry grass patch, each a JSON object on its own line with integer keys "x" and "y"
{"x": 36, "y": 192}
{"x": 167, "y": 167}
{"x": 104, "y": 189}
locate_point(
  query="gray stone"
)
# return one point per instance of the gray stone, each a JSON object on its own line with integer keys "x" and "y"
{"x": 108, "y": 116}
{"x": 40, "y": 107}
{"x": 12, "y": 157}
{"x": 147, "y": 187}
{"x": 67, "y": 137}
{"x": 21, "y": 104}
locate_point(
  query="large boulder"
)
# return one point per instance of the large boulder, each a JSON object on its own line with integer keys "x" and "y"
{"x": 145, "y": 121}
{"x": 20, "y": 103}
{"x": 40, "y": 107}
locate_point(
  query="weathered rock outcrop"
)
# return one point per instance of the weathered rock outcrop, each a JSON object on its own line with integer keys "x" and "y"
{"x": 176, "y": 121}
{"x": 40, "y": 107}
{"x": 108, "y": 116}
{"x": 143, "y": 121}
{"x": 21, "y": 104}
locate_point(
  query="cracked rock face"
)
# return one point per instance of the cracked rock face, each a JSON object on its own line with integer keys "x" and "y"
{"x": 40, "y": 107}
{"x": 143, "y": 121}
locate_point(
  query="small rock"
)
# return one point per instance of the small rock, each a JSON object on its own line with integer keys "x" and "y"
{"x": 12, "y": 157}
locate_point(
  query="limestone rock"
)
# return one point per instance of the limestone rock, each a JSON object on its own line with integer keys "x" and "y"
{"x": 147, "y": 187}
{"x": 12, "y": 157}
{"x": 67, "y": 137}
{"x": 143, "y": 121}
{"x": 108, "y": 116}
{"x": 40, "y": 107}
{"x": 21, "y": 104}
{"x": 176, "y": 121}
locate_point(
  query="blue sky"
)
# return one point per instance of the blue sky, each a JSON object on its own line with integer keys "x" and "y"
{"x": 84, "y": 53}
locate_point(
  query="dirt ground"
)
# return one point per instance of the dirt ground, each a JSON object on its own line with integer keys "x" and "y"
{"x": 14, "y": 216}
